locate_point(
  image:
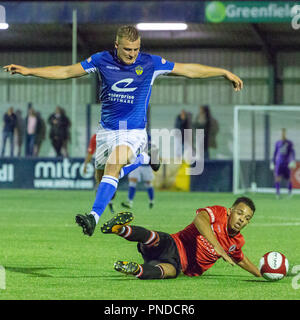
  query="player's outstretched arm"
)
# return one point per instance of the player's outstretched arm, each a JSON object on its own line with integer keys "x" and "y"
{"x": 247, "y": 265}
{"x": 198, "y": 71}
{"x": 292, "y": 162}
{"x": 87, "y": 160}
{"x": 51, "y": 72}
{"x": 275, "y": 153}
{"x": 202, "y": 223}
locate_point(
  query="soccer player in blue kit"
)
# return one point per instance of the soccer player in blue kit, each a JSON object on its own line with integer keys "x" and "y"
{"x": 127, "y": 76}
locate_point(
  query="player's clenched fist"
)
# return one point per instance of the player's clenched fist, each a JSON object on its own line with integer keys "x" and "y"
{"x": 236, "y": 81}
{"x": 13, "y": 68}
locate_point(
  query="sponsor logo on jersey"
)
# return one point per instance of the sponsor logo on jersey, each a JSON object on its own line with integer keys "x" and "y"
{"x": 115, "y": 87}
{"x": 232, "y": 248}
{"x": 112, "y": 67}
{"x": 139, "y": 70}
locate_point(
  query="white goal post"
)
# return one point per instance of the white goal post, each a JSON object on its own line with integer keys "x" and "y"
{"x": 255, "y": 131}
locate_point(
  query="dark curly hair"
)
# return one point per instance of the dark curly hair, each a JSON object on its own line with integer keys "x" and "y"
{"x": 247, "y": 201}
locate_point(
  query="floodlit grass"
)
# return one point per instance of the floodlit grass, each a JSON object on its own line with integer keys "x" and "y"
{"x": 46, "y": 256}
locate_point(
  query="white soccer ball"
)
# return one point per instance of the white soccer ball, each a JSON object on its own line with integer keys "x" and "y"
{"x": 273, "y": 266}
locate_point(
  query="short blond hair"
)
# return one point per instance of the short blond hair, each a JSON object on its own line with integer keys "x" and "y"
{"x": 128, "y": 32}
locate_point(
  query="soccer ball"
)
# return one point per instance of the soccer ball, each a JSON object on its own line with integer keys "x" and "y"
{"x": 273, "y": 266}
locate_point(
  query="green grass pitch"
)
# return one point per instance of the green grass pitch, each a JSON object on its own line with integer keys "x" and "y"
{"x": 46, "y": 256}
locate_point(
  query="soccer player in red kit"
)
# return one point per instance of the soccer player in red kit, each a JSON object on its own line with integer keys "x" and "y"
{"x": 90, "y": 152}
{"x": 214, "y": 233}
{"x": 98, "y": 172}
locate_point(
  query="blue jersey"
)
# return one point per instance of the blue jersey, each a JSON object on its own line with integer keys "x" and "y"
{"x": 125, "y": 89}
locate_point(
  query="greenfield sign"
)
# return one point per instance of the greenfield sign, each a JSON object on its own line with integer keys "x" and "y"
{"x": 249, "y": 11}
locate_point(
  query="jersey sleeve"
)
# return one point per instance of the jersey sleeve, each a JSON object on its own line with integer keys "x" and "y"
{"x": 92, "y": 145}
{"x": 292, "y": 155}
{"x": 215, "y": 213}
{"x": 92, "y": 64}
{"x": 161, "y": 66}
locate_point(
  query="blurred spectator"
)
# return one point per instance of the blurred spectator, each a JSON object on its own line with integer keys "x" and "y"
{"x": 64, "y": 148}
{"x": 9, "y": 125}
{"x": 59, "y": 130}
{"x": 40, "y": 134}
{"x": 183, "y": 122}
{"x": 20, "y": 132}
{"x": 205, "y": 121}
{"x": 31, "y": 127}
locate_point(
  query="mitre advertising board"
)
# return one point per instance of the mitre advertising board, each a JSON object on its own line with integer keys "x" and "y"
{"x": 46, "y": 174}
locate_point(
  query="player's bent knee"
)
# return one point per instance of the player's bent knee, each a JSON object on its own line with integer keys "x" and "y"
{"x": 148, "y": 184}
{"x": 169, "y": 270}
{"x": 132, "y": 183}
{"x": 121, "y": 155}
{"x": 112, "y": 169}
{"x": 98, "y": 175}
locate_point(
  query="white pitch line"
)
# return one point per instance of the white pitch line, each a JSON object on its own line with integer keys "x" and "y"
{"x": 283, "y": 224}
{"x": 278, "y": 218}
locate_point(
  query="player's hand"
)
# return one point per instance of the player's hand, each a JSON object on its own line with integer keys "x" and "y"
{"x": 235, "y": 80}
{"x": 14, "y": 68}
{"x": 84, "y": 168}
{"x": 292, "y": 165}
{"x": 220, "y": 251}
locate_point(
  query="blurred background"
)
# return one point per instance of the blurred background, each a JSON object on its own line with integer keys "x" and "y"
{"x": 255, "y": 40}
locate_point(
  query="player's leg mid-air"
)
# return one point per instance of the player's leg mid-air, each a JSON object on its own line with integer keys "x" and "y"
{"x": 154, "y": 247}
{"x": 116, "y": 167}
{"x": 98, "y": 177}
{"x": 143, "y": 173}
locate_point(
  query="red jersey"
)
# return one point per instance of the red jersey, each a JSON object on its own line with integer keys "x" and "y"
{"x": 92, "y": 144}
{"x": 196, "y": 253}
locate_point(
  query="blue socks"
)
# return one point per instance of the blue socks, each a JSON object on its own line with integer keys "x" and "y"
{"x": 131, "y": 192}
{"x": 105, "y": 192}
{"x": 142, "y": 158}
{"x": 277, "y": 186}
{"x": 109, "y": 185}
{"x": 150, "y": 191}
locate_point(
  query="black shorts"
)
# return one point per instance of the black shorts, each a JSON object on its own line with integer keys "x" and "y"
{"x": 164, "y": 252}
